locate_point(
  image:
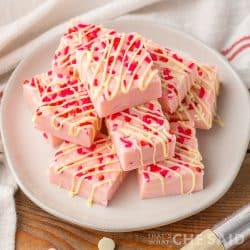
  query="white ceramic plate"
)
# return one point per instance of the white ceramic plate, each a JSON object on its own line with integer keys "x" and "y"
{"x": 28, "y": 154}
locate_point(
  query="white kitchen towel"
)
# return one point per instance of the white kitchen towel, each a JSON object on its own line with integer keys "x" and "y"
{"x": 223, "y": 25}
{"x": 220, "y": 24}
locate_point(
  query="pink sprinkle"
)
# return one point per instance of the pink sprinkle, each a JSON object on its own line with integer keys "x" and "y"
{"x": 103, "y": 44}
{"x": 79, "y": 168}
{"x": 58, "y": 153}
{"x": 114, "y": 126}
{"x": 59, "y": 75}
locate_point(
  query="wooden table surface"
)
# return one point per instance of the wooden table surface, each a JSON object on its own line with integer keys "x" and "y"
{"x": 39, "y": 230}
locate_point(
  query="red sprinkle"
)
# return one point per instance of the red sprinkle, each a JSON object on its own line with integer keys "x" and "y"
{"x": 151, "y": 106}
{"x": 92, "y": 147}
{"x": 148, "y": 119}
{"x": 133, "y": 66}
{"x": 136, "y": 77}
{"x": 184, "y": 131}
{"x": 175, "y": 168}
{"x": 201, "y": 92}
{"x": 114, "y": 116}
{"x": 148, "y": 59}
{"x": 146, "y": 176}
{"x": 110, "y": 60}
{"x": 127, "y": 143}
{"x": 80, "y": 151}
{"x": 163, "y": 59}
{"x": 116, "y": 42}
{"x": 45, "y": 135}
{"x": 154, "y": 57}
{"x": 58, "y": 153}
{"x": 191, "y": 65}
{"x": 127, "y": 119}
{"x": 101, "y": 177}
{"x": 154, "y": 168}
{"x": 95, "y": 83}
{"x": 175, "y": 56}
{"x": 79, "y": 175}
{"x": 159, "y": 51}
{"x": 181, "y": 139}
{"x": 81, "y": 25}
{"x": 66, "y": 50}
{"x": 164, "y": 172}
{"x": 198, "y": 169}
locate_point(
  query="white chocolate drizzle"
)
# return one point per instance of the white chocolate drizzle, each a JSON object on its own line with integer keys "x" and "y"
{"x": 116, "y": 67}
{"x": 136, "y": 130}
{"x": 199, "y": 104}
{"x": 101, "y": 160}
{"x": 166, "y": 60}
{"x": 68, "y": 103}
{"x": 187, "y": 159}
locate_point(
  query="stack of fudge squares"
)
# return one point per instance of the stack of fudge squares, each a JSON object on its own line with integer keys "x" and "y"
{"x": 119, "y": 103}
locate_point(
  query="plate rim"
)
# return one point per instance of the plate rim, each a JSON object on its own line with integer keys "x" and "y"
{"x": 70, "y": 219}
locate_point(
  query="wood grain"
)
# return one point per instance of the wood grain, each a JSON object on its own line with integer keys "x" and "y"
{"x": 38, "y": 230}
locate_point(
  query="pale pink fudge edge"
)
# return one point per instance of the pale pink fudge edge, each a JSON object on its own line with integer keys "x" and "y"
{"x": 32, "y": 98}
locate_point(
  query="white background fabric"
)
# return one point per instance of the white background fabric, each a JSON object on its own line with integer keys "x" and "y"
{"x": 223, "y": 25}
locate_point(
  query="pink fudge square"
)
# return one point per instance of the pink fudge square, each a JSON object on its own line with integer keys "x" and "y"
{"x": 200, "y": 103}
{"x": 119, "y": 73}
{"x": 77, "y": 34}
{"x": 141, "y": 135}
{"x": 33, "y": 90}
{"x": 177, "y": 75}
{"x": 181, "y": 174}
{"x": 93, "y": 173}
{"x": 67, "y": 112}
